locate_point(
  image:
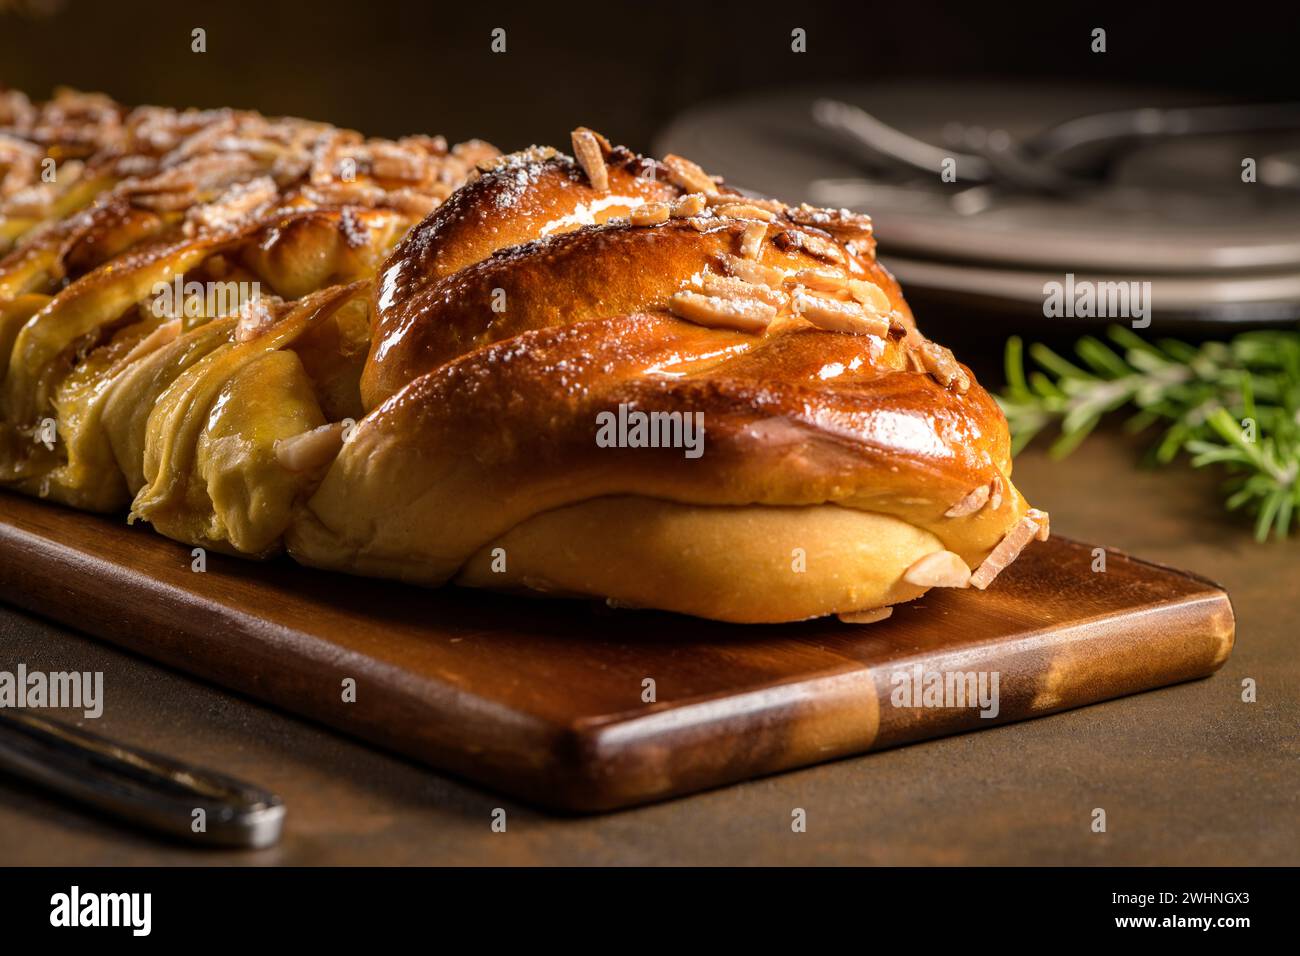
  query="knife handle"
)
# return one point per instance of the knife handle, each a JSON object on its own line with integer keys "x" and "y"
{"x": 142, "y": 788}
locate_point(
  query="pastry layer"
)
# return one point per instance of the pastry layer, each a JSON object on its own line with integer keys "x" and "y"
{"x": 748, "y": 564}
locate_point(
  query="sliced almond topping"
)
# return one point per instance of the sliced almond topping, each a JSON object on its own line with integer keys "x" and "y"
{"x": 1043, "y": 521}
{"x": 942, "y": 365}
{"x": 821, "y": 281}
{"x": 649, "y": 214}
{"x": 234, "y": 204}
{"x": 939, "y": 569}
{"x": 727, "y": 199}
{"x": 255, "y": 317}
{"x": 837, "y": 316}
{"x": 747, "y": 315}
{"x": 347, "y": 194}
{"x": 411, "y": 202}
{"x": 30, "y": 201}
{"x": 741, "y": 210}
{"x": 973, "y": 502}
{"x": 705, "y": 223}
{"x": 835, "y": 221}
{"x": 684, "y": 173}
{"x": 312, "y": 449}
{"x": 733, "y": 287}
{"x": 164, "y": 200}
{"x": 523, "y": 158}
{"x": 586, "y": 149}
{"x": 870, "y": 295}
{"x": 1007, "y": 550}
{"x": 868, "y": 616}
{"x": 813, "y": 245}
{"x": 689, "y": 205}
{"x": 751, "y": 240}
{"x": 394, "y": 161}
{"x": 752, "y": 271}
{"x": 995, "y": 492}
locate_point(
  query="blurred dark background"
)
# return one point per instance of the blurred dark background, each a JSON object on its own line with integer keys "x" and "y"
{"x": 387, "y": 67}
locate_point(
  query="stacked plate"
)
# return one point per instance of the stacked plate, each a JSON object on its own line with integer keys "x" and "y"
{"x": 1174, "y": 213}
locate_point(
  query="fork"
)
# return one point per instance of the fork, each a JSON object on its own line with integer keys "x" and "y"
{"x": 1067, "y": 157}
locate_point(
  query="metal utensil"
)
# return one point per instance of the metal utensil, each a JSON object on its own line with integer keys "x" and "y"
{"x": 879, "y": 141}
{"x": 1066, "y": 157}
{"x": 1088, "y": 144}
{"x": 143, "y": 788}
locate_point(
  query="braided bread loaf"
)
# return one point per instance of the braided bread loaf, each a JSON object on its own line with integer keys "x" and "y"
{"x": 604, "y": 376}
{"x": 99, "y": 335}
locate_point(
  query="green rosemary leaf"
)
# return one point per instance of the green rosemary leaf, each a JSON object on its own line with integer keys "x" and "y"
{"x": 1230, "y": 405}
{"x": 1054, "y": 363}
{"x": 1043, "y": 386}
{"x": 1101, "y": 359}
{"x": 1267, "y": 512}
{"x": 1141, "y": 421}
{"x": 1014, "y": 362}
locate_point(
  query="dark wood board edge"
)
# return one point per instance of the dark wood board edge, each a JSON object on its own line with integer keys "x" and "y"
{"x": 612, "y": 763}
{"x": 183, "y": 630}
{"x": 699, "y": 745}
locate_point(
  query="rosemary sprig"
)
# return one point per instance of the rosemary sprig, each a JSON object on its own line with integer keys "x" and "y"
{"x": 1233, "y": 404}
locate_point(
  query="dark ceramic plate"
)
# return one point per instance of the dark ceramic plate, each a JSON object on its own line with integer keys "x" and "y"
{"x": 1174, "y": 213}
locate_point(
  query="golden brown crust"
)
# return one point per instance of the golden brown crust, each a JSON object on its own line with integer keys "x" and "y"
{"x": 525, "y": 196}
{"x": 182, "y": 165}
{"x": 485, "y": 364}
{"x": 562, "y": 277}
{"x": 495, "y": 356}
{"x": 803, "y": 418}
{"x": 522, "y": 197}
{"x": 276, "y": 207}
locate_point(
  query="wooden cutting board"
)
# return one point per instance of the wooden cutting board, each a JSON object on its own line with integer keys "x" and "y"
{"x": 545, "y": 700}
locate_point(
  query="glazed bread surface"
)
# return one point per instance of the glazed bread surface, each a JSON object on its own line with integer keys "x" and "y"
{"x": 602, "y": 375}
